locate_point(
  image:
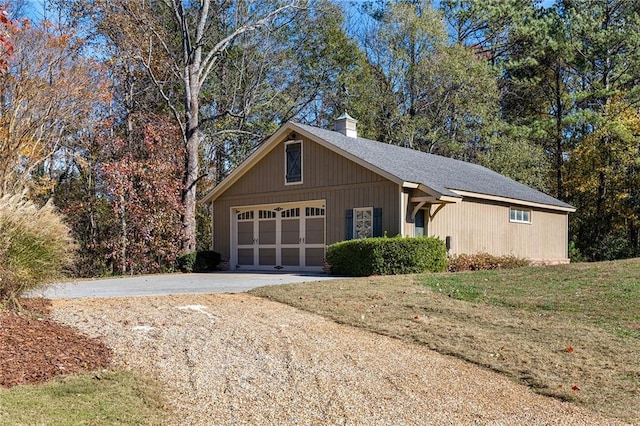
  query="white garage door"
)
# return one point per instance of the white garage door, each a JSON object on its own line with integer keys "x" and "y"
{"x": 282, "y": 237}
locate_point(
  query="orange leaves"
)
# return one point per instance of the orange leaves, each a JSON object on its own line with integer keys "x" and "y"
{"x": 6, "y": 47}
{"x": 569, "y": 349}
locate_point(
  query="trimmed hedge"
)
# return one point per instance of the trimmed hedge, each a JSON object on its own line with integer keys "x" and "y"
{"x": 484, "y": 262}
{"x": 199, "y": 261}
{"x": 387, "y": 256}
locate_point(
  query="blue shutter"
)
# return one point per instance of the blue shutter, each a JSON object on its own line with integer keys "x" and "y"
{"x": 377, "y": 222}
{"x": 348, "y": 224}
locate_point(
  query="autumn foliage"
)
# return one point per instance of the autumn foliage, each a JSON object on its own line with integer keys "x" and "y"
{"x": 6, "y": 47}
{"x": 122, "y": 197}
{"x": 143, "y": 181}
{"x": 50, "y": 93}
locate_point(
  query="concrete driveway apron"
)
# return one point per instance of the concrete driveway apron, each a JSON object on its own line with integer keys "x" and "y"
{"x": 165, "y": 284}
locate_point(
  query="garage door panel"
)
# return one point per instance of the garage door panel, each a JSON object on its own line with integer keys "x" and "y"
{"x": 290, "y": 229}
{"x": 314, "y": 257}
{"x": 245, "y": 256}
{"x": 245, "y": 233}
{"x": 267, "y": 256}
{"x": 291, "y": 256}
{"x": 267, "y": 232}
{"x": 314, "y": 231}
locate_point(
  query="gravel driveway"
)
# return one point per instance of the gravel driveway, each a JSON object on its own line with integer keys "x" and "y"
{"x": 238, "y": 359}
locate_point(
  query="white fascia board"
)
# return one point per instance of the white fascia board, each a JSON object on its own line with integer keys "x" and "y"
{"x": 513, "y": 201}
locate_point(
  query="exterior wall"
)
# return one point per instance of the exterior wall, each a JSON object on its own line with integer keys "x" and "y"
{"x": 327, "y": 176}
{"x": 482, "y": 226}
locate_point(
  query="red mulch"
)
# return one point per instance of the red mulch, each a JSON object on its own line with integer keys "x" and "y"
{"x": 34, "y": 349}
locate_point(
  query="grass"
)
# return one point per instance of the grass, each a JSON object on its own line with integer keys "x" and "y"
{"x": 110, "y": 398}
{"x": 571, "y": 332}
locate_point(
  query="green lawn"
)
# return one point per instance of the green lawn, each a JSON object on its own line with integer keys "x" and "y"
{"x": 572, "y": 331}
{"x": 90, "y": 399}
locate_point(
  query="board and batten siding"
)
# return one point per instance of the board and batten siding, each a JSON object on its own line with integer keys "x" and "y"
{"x": 478, "y": 226}
{"x": 340, "y": 182}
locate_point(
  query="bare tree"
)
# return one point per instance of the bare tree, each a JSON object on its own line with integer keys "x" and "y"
{"x": 205, "y": 31}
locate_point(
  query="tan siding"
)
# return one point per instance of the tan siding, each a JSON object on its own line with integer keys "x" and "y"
{"x": 478, "y": 226}
{"x": 320, "y": 167}
{"x": 327, "y": 176}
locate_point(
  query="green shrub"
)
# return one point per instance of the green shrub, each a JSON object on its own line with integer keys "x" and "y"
{"x": 575, "y": 255}
{"x": 199, "y": 261}
{"x": 386, "y": 256}
{"x": 484, "y": 261}
{"x": 35, "y": 247}
{"x": 186, "y": 262}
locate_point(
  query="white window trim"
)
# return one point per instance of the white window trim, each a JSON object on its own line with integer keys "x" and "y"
{"x": 361, "y": 209}
{"x": 301, "y": 181}
{"x": 511, "y": 209}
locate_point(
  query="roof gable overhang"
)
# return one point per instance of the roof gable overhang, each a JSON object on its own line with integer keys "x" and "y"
{"x": 515, "y": 201}
{"x": 268, "y": 145}
{"x": 263, "y": 149}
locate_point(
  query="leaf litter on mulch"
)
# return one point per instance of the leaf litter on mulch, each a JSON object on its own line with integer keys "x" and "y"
{"x": 35, "y": 349}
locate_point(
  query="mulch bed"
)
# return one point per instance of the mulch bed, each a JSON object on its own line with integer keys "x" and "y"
{"x": 35, "y": 349}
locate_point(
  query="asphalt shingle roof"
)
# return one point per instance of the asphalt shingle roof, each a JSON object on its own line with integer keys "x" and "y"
{"x": 439, "y": 173}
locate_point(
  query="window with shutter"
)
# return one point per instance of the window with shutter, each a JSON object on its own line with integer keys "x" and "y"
{"x": 293, "y": 162}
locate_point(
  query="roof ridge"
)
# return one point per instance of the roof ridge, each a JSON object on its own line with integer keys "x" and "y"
{"x": 435, "y": 171}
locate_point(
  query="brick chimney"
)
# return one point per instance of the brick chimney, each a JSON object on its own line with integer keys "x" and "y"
{"x": 346, "y": 125}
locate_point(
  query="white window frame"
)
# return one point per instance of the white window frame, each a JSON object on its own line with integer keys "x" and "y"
{"x": 301, "y": 163}
{"x": 519, "y": 215}
{"x": 355, "y": 221}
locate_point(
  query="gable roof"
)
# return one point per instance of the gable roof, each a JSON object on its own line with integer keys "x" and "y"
{"x": 445, "y": 176}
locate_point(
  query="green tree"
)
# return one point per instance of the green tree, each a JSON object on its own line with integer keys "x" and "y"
{"x": 605, "y": 38}
{"x": 422, "y": 91}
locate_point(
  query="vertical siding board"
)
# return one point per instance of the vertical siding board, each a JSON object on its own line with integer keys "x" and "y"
{"x": 478, "y": 226}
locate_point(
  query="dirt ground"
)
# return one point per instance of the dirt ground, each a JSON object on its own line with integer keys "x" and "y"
{"x": 240, "y": 359}
{"x": 34, "y": 349}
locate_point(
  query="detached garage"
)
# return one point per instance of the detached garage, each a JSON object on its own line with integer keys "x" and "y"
{"x": 306, "y": 187}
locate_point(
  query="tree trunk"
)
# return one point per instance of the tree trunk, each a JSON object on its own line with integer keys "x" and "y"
{"x": 558, "y": 136}
{"x": 192, "y": 92}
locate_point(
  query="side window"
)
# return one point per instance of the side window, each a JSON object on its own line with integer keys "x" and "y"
{"x": 519, "y": 215}
{"x": 293, "y": 162}
{"x": 419, "y": 223}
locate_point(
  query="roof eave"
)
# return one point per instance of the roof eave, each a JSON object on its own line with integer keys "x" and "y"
{"x": 432, "y": 192}
{"x": 569, "y": 209}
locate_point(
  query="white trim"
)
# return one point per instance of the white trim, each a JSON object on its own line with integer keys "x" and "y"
{"x": 410, "y": 185}
{"x": 402, "y": 211}
{"x": 513, "y": 201}
{"x": 301, "y": 181}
